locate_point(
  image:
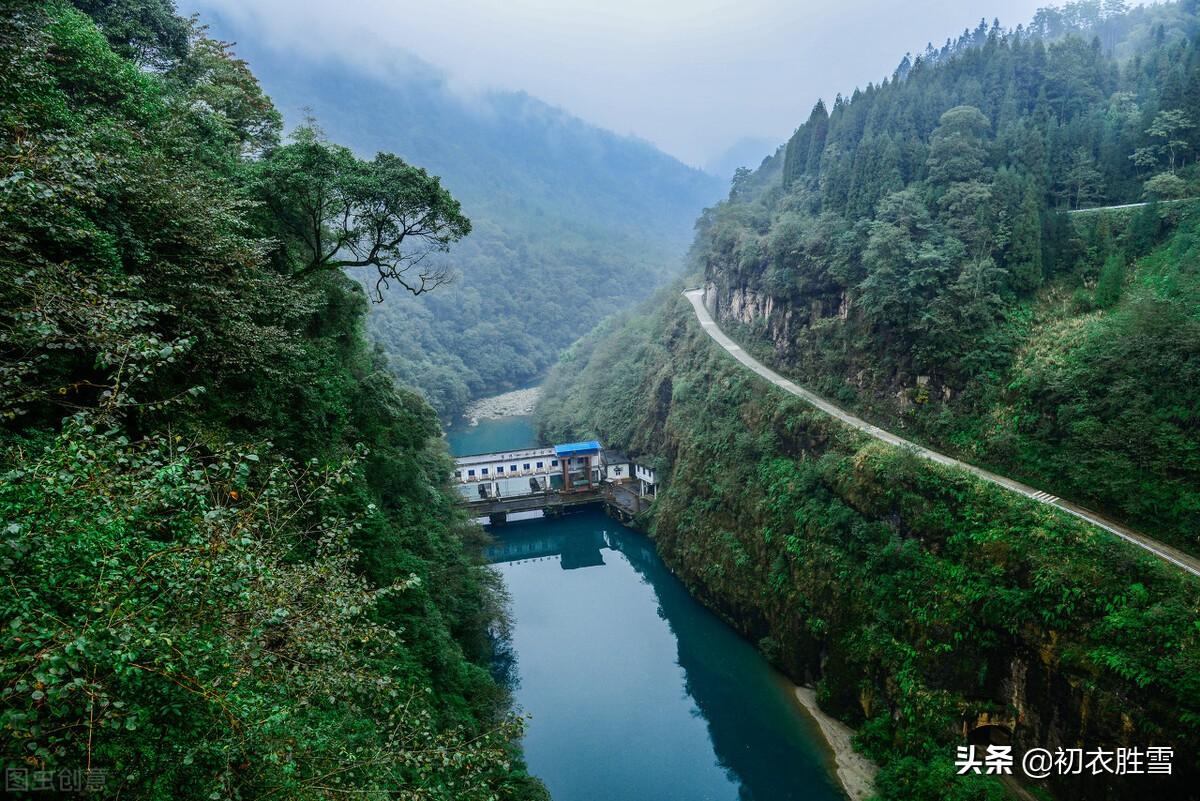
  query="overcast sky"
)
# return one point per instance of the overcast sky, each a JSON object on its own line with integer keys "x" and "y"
{"x": 691, "y": 76}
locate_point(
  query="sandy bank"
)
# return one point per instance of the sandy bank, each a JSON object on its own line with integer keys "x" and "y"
{"x": 855, "y": 772}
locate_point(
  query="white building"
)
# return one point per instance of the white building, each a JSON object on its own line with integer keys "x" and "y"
{"x": 509, "y": 473}
{"x": 617, "y": 466}
{"x": 647, "y": 483}
{"x": 572, "y": 467}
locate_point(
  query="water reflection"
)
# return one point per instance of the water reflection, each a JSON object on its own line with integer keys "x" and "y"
{"x": 575, "y": 550}
{"x": 637, "y": 691}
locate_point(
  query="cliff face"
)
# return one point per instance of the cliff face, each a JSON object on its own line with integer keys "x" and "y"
{"x": 913, "y": 253}
{"x": 931, "y": 610}
{"x": 786, "y": 330}
{"x": 1093, "y": 405}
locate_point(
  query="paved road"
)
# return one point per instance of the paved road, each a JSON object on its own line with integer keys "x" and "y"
{"x": 1165, "y": 552}
{"x": 1128, "y": 206}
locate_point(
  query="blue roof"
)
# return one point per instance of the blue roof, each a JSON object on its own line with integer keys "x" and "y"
{"x": 572, "y": 448}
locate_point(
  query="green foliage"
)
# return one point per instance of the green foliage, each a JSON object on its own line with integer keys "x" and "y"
{"x": 957, "y": 146}
{"x": 570, "y": 223}
{"x": 1112, "y": 281}
{"x": 147, "y": 32}
{"x": 940, "y": 260}
{"x": 162, "y": 626}
{"x": 918, "y": 597}
{"x": 1165, "y": 186}
{"x": 923, "y": 270}
{"x": 216, "y": 590}
{"x": 335, "y": 211}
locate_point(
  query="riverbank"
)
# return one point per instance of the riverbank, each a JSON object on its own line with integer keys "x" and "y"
{"x": 509, "y": 404}
{"x": 855, "y": 772}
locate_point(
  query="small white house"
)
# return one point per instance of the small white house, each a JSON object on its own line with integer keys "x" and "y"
{"x": 617, "y": 467}
{"x": 647, "y": 483}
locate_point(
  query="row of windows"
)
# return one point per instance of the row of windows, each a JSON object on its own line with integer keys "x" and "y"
{"x": 512, "y": 468}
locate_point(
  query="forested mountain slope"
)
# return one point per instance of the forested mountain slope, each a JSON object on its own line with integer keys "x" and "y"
{"x": 233, "y": 567}
{"x": 571, "y": 222}
{"x": 912, "y": 254}
{"x": 924, "y": 603}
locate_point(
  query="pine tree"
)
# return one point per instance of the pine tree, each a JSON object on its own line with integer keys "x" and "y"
{"x": 1025, "y": 248}
{"x": 818, "y": 124}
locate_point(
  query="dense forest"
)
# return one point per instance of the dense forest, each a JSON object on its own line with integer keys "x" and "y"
{"x": 571, "y": 222}
{"x": 232, "y": 565}
{"x": 924, "y": 604}
{"x": 922, "y": 251}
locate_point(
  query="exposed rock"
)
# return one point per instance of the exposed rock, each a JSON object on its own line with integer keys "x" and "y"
{"x": 509, "y": 404}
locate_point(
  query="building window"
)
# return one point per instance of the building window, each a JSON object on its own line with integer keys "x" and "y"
{"x": 470, "y": 472}
{"x": 617, "y": 470}
{"x": 500, "y": 469}
{"x": 458, "y": 474}
{"x": 554, "y": 463}
{"x": 526, "y": 467}
{"x": 483, "y": 471}
{"x": 512, "y": 468}
{"x": 541, "y": 465}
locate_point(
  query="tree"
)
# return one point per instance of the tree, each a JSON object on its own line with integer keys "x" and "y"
{"x": 804, "y": 149}
{"x": 1168, "y": 127}
{"x": 219, "y": 83}
{"x": 907, "y": 265}
{"x": 339, "y": 211}
{"x": 148, "y": 32}
{"x": 976, "y": 293}
{"x": 956, "y": 149}
{"x": 1025, "y": 245}
{"x": 1112, "y": 281}
{"x": 740, "y": 182}
{"x": 1167, "y": 131}
{"x": 1082, "y": 182}
{"x": 966, "y": 210}
{"x": 818, "y": 123}
{"x": 1165, "y": 186}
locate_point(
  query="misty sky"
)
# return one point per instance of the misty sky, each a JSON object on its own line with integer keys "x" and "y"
{"x": 691, "y": 76}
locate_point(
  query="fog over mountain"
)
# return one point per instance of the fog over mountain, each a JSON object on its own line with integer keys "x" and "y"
{"x": 749, "y": 152}
{"x": 571, "y": 222}
{"x": 691, "y": 76}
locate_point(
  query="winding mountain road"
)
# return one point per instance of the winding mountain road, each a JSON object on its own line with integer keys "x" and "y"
{"x": 1165, "y": 552}
{"x": 1129, "y": 206}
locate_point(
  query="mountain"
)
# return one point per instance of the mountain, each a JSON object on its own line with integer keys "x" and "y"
{"x": 571, "y": 222}
{"x": 922, "y": 251}
{"x": 951, "y": 254}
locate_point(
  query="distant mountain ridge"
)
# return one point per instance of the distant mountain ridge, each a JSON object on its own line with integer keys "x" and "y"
{"x": 572, "y": 222}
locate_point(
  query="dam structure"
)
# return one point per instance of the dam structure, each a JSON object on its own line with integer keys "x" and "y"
{"x": 551, "y": 480}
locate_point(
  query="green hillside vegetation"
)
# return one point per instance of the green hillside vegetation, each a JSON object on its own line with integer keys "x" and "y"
{"x": 233, "y": 567}
{"x": 916, "y": 597}
{"x": 571, "y": 223}
{"x": 910, "y": 254}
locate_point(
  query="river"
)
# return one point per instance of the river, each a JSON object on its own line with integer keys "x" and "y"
{"x": 636, "y": 691}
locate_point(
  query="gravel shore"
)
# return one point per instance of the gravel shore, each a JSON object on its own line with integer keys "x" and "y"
{"x": 855, "y": 772}
{"x": 509, "y": 404}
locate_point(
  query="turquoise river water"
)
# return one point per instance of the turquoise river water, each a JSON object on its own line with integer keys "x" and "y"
{"x": 636, "y": 691}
